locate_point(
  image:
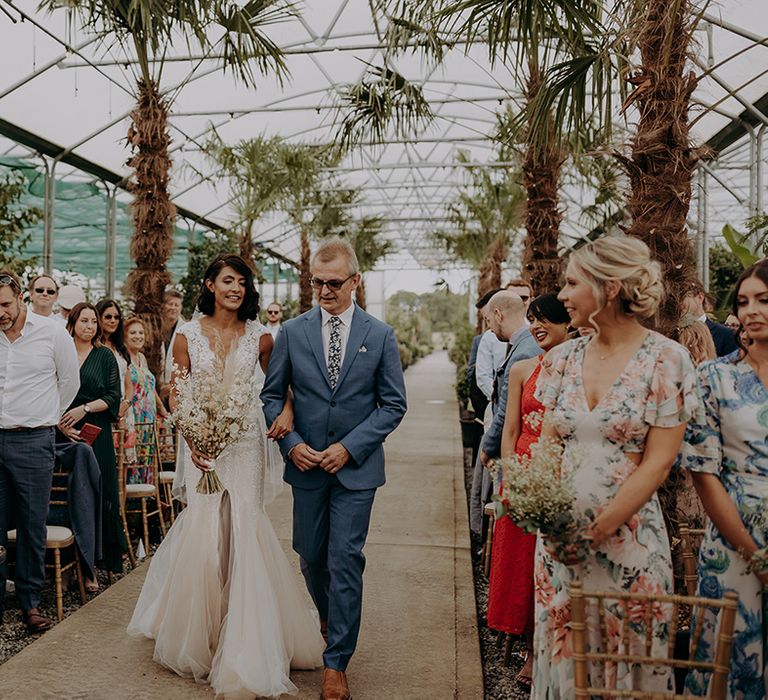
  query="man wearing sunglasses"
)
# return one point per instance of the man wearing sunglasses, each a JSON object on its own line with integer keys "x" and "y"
{"x": 274, "y": 318}
{"x": 43, "y": 294}
{"x": 39, "y": 378}
{"x": 343, "y": 367}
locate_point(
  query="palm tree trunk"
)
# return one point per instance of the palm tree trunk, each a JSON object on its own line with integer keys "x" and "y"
{"x": 541, "y": 264}
{"x": 305, "y": 289}
{"x": 489, "y": 271}
{"x": 153, "y": 214}
{"x": 245, "y": 245}
{"x": 360, "y": 294}
{"x": 662, "y": 163}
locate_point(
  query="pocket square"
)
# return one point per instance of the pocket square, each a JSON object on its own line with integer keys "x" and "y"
{"x": 363, "y": 349}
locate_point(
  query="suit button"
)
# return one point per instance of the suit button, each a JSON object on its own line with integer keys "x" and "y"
{"x": 331, "y": 433}
{"x": 333, "y": 404}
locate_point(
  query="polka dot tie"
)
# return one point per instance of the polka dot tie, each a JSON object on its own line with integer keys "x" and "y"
{"x": 334, "y": 351}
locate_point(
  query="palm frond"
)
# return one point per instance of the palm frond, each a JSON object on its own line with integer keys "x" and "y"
{"x": 383, "y": 100}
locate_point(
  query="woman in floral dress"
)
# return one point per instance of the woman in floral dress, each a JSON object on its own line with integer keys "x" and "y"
{"x": 510, "y": 586}
{"x": 144, "y": 405}
{"x": 619, "y": 401}
{"x": 727, "y": 453}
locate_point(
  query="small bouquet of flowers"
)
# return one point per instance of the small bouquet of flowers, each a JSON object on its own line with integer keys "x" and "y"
{"x": 212, "y": 411}
{"x": 757, "y": 521}
{"x": 536, "y": 498}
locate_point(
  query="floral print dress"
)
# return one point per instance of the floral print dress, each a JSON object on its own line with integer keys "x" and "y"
{"x": 656, "y": 388}
{"x": 142, "y": 410}
{"x": 732, "y": 442}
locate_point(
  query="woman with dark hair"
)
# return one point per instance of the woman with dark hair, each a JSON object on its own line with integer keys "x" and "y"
{"x": 98, "y": 402}
{"x": 248, "y": 624}
{"x": 112, "y": 335}
{"x": 726, "y": 453}
{"x": 510, "y": 589}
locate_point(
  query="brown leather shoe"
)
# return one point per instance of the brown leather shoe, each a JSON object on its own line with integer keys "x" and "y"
{"x": 335, "y": 685}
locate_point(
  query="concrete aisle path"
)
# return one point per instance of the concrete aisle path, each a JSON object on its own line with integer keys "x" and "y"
{"x": 419, "y": 635}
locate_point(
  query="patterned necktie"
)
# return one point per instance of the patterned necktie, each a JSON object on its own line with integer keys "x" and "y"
{"x": 334, "y": 351}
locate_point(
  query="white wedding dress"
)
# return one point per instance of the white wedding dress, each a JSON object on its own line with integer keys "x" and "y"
{"x": 220, "y": 599}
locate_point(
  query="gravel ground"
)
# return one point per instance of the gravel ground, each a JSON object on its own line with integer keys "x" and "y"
{"x": 499, "y": 680}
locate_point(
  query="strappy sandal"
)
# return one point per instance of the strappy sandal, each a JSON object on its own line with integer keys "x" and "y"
{"x": 35, "y": 622}
{"x": 525, "y": 679}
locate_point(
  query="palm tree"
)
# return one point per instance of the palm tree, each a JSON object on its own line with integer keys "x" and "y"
{"x": 235, "y": 31}
{"x": 486, "y": 215}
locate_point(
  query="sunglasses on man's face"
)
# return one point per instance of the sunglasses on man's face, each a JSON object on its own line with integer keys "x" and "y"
{"x": 317, "y": 283}
{"x": 45, "y": 290}
{"x": 272, "y": 313}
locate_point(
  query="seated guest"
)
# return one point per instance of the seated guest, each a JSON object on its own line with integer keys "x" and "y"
{"x": 43, "y": 294}
{"x": 38, "y": 378}
{"x": 726, "y": 453}
{"x": 510, "y": 587}
{"x": 694, "y": 303}
{"x": 98, "y": 403}
{"x": 144, "y": 403}
{"x": 111, "y": 325}
{"x": 70, "y": 295}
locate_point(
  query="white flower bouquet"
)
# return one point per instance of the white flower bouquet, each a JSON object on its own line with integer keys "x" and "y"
{"x": 536, "y": 498}
{"x": 212, "y": 411}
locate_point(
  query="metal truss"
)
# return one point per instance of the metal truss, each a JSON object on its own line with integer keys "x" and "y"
{"x": 410, "y": 178}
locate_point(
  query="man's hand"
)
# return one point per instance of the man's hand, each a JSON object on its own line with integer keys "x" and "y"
{"x": 485, "y": 459}
{"x": 334, "y": 457}
{"x": 304, "y": 457}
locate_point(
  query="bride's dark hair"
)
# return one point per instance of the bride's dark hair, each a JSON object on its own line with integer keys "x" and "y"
{"x": 206, "y": 302}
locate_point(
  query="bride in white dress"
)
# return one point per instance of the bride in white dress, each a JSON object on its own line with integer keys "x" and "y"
{"x": 220, "y": 599}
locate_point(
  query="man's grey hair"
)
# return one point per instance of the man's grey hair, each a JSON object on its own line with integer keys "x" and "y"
{"x": 335, "y": 247}
{"x": 509, "y": 303}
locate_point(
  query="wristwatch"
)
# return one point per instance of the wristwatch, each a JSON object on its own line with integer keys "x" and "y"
{"x": 86, "y": 408}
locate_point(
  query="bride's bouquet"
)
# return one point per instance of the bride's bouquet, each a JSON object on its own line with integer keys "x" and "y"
{"x": 212, "y": 411}
{"x": 536, "y": 498}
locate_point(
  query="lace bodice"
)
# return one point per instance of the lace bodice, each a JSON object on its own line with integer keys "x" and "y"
{"x": 201, "y": 353}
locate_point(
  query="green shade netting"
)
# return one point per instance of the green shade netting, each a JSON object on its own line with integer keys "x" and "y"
{"x": 80, "y": 225}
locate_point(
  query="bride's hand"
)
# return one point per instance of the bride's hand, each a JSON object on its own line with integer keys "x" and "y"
{"x": 281, "y": 427}
{"x": 203, "y": 463}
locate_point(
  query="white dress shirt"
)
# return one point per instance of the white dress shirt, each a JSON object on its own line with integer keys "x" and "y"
{"x": 39, "y": 374}
{"x": 490, "y": 354}
{"x": 273, "y": 328}
{"x": 346, "y": 323}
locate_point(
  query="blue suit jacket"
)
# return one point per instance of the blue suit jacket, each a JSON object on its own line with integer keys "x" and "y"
{"x": 367, "y": 404}
{"x": 523, "y": 348}
{"x": 723, "y": 337}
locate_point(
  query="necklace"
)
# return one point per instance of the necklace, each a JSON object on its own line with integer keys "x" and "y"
{"x": 612, "y": 352}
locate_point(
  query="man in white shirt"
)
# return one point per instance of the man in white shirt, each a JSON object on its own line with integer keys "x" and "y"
{"x": 274, "y": 318}
{"x": 39, "y": 378}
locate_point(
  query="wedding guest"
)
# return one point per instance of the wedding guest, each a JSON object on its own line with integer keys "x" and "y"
{"x": 520, "y": 287}
{"x": 145, "y": 404}
{"x": 510, "y": 586}
{"x": 506, "y": 318}
{"x": 43, "y": 294}
{"x": 98, "y": 402}
{"x": 172, "y": 321}
{"x": 70, "y": 295}
{"x": 112, "y": 337}
{"x": 732, "y": 322}
{"x": 618, "y": 401}
{"x": 694, "y": 303}
{"x": 274, "y": 317}
{"x": 38, "y": 378}
{"x": 725, "y": 452}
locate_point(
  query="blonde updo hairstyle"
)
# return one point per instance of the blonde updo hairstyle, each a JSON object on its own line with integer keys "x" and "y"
{"x": 625, "y": 260}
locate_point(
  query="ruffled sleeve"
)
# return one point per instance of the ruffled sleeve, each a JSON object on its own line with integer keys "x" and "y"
{"x": 703, "y": 446}
{"x": 553, "y": 368}
{"x": 673, "y": 398}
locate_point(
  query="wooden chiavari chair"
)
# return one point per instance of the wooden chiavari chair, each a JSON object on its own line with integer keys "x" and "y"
{"x": 690, "y": 541}
{"x": 58, "y": 538}
{"x": 118, "y": 436}
{"x": 147, "y": 456}
{"x": 584, "y": 658}
{"x": 167, "y": 437}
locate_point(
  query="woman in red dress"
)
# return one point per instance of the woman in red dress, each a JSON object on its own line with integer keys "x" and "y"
{"x": 510, "y": 591}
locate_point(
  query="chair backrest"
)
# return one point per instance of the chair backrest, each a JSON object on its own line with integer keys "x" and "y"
{"x": 118, "y": 438}
{"x": 690, "y": 541}
{"x": 166, "y": 437}
{"x": 147, "y": 448}
{"x": 59, "y": 486}
{"x": 645, "y": 606}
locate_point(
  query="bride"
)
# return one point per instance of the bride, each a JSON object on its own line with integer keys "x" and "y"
{"x": 220, "y": 599}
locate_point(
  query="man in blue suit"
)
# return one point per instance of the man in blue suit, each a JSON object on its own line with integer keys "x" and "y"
{"x": 694, "y": 303}
{"x": 343, "y": 369}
